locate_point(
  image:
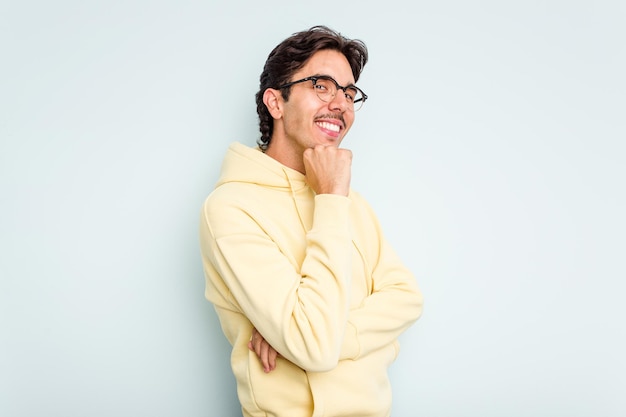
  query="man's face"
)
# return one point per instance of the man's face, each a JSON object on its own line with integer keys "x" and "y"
{"x": 309, "y": 121}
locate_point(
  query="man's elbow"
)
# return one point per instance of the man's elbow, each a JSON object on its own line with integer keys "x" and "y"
{"x": 416, "y": 306}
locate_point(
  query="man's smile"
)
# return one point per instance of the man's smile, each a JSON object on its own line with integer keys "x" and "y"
{"x": 333, "y": 127}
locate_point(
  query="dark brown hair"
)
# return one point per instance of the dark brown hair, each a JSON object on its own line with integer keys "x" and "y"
{"x": 291, "y": 55}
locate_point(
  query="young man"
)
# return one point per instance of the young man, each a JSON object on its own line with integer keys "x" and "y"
{"x": 309, "y": 293}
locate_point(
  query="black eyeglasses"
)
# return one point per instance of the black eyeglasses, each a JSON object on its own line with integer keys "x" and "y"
{"x": 326, "y": 88}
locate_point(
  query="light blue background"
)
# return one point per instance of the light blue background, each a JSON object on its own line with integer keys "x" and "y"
{"x": 492, "y": 149}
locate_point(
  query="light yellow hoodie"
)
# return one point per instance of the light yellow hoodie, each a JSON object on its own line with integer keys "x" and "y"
{"x": 315, "y": 276}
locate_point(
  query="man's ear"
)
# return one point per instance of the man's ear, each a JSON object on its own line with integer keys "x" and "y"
{"x": 273, "y": 100}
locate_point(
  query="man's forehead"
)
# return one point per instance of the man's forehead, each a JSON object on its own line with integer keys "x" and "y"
{"x": 330, "y": 63}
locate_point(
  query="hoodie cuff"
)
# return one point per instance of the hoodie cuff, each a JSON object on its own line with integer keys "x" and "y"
{"x": 331, "y": 212}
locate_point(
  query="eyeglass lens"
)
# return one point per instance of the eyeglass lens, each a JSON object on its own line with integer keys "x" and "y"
{"x": 326, "y": 89}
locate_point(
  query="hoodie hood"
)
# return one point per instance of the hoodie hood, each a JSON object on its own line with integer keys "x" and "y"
{"x": 251, "y": 165}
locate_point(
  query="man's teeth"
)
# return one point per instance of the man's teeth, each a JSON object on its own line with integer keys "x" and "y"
{"x": 328, "y": 126}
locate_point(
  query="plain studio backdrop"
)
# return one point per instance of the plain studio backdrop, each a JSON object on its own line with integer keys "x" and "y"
{"x": 492, "y": 149}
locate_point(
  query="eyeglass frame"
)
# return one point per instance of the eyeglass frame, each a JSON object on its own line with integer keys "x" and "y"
{"x": 314, "y": 78}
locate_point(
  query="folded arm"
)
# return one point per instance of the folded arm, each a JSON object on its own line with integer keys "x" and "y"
{"x": 301, "y": 313}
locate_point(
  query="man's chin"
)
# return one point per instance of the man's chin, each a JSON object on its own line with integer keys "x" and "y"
{"x": 329, "y": 141}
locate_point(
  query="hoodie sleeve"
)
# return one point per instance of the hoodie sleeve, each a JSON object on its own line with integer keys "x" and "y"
{"x": 302, "y": 314}
{"x": 394, "y": 304}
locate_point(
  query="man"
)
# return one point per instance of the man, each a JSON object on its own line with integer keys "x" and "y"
{"x": 309, "y": 293}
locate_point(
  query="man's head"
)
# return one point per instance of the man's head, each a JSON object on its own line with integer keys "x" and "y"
{"x": 291, "y": 57}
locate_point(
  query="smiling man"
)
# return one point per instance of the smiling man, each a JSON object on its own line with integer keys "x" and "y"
{"x": 309, "y": 293}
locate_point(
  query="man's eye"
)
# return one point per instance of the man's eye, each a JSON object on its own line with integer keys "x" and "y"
{"x": 349, "y": 96}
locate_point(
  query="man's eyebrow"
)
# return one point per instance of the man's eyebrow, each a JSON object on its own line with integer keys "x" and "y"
{"x": 333, "y": 78}
{"x": 322, "y": 75}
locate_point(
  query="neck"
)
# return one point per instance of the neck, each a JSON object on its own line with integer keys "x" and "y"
{"x": 285, "y": 154}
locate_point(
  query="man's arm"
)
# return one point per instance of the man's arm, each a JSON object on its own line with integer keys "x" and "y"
{"x": 395, "y": 304}
{"x": 302, "y": 313}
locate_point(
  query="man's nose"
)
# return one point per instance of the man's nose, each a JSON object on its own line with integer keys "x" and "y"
{"x": 339, "y": 102}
